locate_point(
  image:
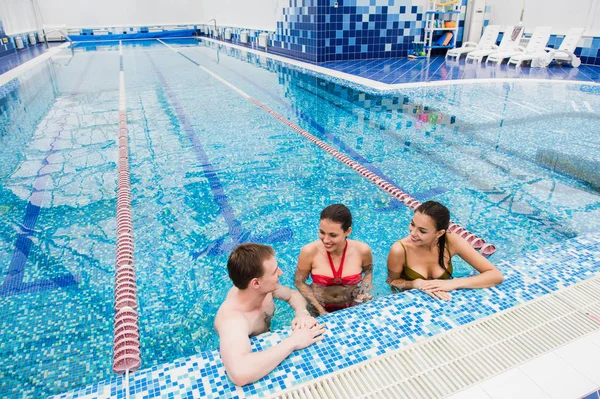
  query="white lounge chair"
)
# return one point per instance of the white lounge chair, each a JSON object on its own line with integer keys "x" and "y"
{"x": 540, "y": 34}
{"x": 510, "y": 41}
{"x": 565, "y": 53}
{"x": 487, "y": 41}
{"x": 535, "y": 48}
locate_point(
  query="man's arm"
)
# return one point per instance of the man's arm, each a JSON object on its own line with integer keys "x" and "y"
{"x": 244, "y": 366}
{"x": 298, "y": 303}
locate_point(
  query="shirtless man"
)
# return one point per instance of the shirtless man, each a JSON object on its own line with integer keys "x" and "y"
{"x": 248, "y": 309}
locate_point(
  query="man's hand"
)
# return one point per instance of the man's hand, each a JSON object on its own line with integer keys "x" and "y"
{"x": 304, "y": 320}
{"x": 306, "y": 336}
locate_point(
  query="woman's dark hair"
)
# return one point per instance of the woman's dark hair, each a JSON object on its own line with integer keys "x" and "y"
{"x": 338, "y": 213}
{"x": 441, "y": 218}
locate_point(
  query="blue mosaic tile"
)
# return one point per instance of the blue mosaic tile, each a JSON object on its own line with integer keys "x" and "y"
{"x": 394, "y": 322}
{"x": 564, "y": 264}
{"x": 318, "y": 31}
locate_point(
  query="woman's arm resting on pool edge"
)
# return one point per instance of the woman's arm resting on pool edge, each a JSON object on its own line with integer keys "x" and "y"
{"x": 489, "y": 275}
{"x": 367, "y": 266}
{"x": 395, "y": 265}
{"x": 302, "y": 271}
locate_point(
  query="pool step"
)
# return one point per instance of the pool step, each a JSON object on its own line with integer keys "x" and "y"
{"x": 464, "y": 356}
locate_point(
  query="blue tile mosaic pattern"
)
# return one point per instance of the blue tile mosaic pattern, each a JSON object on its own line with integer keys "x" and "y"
{"x": 393, "y": 322}
{"x": 318, "y": 30}
{"x": 592, "y": 395}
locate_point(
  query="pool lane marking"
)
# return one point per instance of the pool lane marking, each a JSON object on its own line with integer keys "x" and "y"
{"x": 333, "y": 138}
{"x": 236, "y": 232}
{"x": 364, "y": 172}
{"x": 13, "y": 280}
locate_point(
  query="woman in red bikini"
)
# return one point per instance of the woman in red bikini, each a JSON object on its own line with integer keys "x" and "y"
{"x": 423, "y": 259}
{"x": 336, "y": 264}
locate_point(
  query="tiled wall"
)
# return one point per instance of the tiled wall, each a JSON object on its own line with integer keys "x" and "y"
{"x": 235, "y": 34}
{"x": 326, "y": 30}
{"x": 318, "y": 31}
{"x": 6, "y": 45}
{"x": 589, "y": 51}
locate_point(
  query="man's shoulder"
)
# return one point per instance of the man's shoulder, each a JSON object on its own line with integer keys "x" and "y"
{"x": 228, "y": 316}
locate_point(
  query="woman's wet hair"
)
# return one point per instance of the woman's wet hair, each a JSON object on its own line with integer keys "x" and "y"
{"x": 338, "y": 213}
{"x": 441, "y": 219}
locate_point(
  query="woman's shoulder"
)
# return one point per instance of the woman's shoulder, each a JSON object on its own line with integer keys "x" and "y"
{"x": 398, "y": 248}
{"x": 360, "y": 246}
{"x": 310, "y": 248}
{"x": 454, "y": 242}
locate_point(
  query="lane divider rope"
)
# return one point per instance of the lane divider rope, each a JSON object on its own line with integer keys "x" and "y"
{"x": 475, "y": 241}
{"x": 126, "y": 349}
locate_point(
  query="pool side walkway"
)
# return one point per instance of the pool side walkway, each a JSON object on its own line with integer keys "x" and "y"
{"x": 13, "y": 60}
{"x": 402, "y": 70}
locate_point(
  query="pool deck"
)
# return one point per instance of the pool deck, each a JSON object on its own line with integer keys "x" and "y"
{"x": 13, "y": 60}
{"x": 402, "y": 71}
{"x": 565, "y": 368}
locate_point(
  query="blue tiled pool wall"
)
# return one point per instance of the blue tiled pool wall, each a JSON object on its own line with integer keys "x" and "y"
{"x": 128, "y": 33}
{"x": 25, "y": 102}
{"x": 393, "y": 322}
{"x": 318, "y": 31}
{"x": 6, "y": 45}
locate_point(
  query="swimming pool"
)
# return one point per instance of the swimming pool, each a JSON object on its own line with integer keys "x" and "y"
{"x": 210, "y": 169}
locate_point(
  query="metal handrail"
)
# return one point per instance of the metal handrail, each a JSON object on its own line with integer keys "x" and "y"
{"x": 216, "y": 31}
{"x": 57, "y": 30}
{"x": 71, "y": 47}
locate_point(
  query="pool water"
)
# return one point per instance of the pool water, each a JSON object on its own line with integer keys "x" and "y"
{"x": 210, "y": 170}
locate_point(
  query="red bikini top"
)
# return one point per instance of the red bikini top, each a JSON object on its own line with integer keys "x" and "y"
{"x": 337, "y": 278}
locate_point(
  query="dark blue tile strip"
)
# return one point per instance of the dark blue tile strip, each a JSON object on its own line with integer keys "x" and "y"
{"x": 13, "y": 280}
{"x": 237, "y": 235}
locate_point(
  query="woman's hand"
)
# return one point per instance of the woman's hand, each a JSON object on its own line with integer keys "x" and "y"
{"x": 437, "y": 289}
{"x": 362, "y": 293}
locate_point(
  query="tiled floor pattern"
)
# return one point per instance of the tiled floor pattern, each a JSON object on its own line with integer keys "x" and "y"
{"x": 394, "y": 322}
{"x": 449, "y": 362}
{"x": 403, "y": 70}
{"x": 569, "y": 372}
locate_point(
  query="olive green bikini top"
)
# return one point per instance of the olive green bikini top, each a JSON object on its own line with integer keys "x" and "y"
{"x": 409, "y": 274}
